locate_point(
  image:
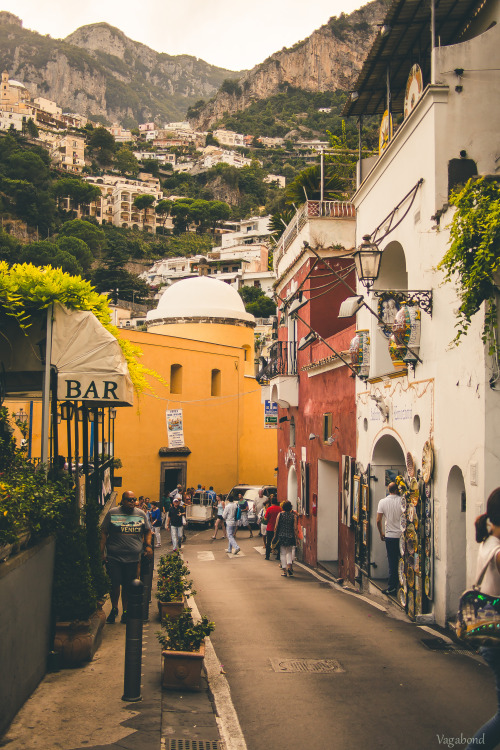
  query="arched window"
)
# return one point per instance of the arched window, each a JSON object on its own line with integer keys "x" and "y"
{"x": 215, "y": 389}
{"x": 176, "y": 379}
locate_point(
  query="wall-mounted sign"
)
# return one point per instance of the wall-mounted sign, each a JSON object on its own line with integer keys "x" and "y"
{"x": 385, "y": 132}
{"x": 175, "y": 428}
{"x": 414, "y": 89}
{"x": 270, "y": 415}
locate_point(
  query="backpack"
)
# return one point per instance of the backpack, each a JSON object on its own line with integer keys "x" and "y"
{"x": 238, "y": 513}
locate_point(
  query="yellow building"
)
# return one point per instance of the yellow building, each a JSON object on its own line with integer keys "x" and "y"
{"x": 200, "y": 340}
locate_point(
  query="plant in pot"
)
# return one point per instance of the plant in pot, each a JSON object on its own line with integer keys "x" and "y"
{"x": 183, "y": 643}
{"x": 172, "y": 585}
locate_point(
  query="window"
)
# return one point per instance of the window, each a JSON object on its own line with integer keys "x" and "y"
{"x": 235, "y": 268}
{"x": 176, "y": 379}
{"x": 215, "y": 389}
{"x": 225, "y": 269}
{"x": 292, "y": 432}
{"x": 257, "y": 284}
{"x": 327, "y": 427}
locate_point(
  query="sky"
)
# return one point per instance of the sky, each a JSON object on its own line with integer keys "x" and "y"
{"x": 231, "y": 34}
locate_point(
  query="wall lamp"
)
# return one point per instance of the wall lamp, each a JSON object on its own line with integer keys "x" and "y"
{"x": 385, "y": 30}
{"x": 307, "y": 340}
{"x": 66, "y": 410}
{"x": 298, "y": 303}
{"x": 312, "y": 436}
{"x": 283, "y": 419}
{"x": 21, "y": 416}
{"x": 367, "y": 259}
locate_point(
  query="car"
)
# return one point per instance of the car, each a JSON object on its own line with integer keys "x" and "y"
{"x": 254, "y": 494}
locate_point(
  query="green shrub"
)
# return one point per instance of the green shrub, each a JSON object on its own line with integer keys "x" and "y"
{"x": 182, "y": 633}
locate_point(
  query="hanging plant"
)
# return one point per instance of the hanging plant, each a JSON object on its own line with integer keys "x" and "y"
{"x": 474, "y": 254}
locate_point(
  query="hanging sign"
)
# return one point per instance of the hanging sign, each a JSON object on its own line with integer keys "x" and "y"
{"x": 270, "y": 415}
{"x": 175, "y": 429}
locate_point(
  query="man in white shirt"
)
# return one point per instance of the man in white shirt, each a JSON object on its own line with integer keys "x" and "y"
{"x": 229, "y": 516}
{"x": 390, "y": 509}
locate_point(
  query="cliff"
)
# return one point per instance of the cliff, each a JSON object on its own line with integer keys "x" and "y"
{"x": 99, "y": 72}
{"x": 328, "y": 60}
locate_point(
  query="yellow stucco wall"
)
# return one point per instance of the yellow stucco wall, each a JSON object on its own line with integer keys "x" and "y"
{"x": 225, "y": 433}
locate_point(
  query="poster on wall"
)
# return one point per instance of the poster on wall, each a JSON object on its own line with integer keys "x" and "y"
{"x": 175, "y": 429}
{"x": 347, "y": 472}
{"x": 304, "y": 484}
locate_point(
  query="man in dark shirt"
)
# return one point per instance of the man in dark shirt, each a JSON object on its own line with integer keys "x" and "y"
{"x": 124, "y": 532}
{"x": 175, "y": 522}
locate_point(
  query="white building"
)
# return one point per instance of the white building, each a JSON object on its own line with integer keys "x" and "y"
{"x": 13, "y": 120}
{"x": 47, "y": 105}
{"x": 116, "y": 203}
{"x": 228, "y": 138}
{"x": 447, "y": 407}
{"x": 163, "y": 158}
{"x": 213, "y": 156}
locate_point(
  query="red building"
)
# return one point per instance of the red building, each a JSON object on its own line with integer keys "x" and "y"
{"x": 312, "y": 382}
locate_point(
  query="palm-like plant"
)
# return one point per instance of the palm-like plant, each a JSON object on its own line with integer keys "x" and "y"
{"x": 307, "y": 185}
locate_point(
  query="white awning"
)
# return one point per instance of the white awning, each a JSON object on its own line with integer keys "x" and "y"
{"x": 89, "y": 361}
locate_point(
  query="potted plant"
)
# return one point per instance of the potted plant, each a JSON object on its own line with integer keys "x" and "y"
{"x": 172, "y": 585}
{"x": 183, "y": 643}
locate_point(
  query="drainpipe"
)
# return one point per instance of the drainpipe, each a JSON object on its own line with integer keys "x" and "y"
{"x": 46, "y": 390}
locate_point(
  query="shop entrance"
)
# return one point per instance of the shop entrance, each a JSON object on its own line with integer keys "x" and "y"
{"x": 388, "y": 461}
{"x": 328, "y": 515}
{"x": 456, "y": 559}
{"x": 172, "y": 473}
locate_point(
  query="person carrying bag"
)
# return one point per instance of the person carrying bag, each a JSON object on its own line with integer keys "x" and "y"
{"x": 285, "y": 534}
{"x": 479, "y": 613}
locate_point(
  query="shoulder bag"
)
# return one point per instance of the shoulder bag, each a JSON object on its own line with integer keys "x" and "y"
{"x": 478, "y": 617}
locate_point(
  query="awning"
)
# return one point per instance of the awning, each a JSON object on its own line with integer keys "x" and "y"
{"x": 89, "y": 361}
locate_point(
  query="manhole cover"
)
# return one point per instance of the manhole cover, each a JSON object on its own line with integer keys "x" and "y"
{"x": 316, "y": 666}
{"x": 182, "y": 744}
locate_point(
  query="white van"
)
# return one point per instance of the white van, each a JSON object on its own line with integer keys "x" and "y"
{"x": 254, "y": 494}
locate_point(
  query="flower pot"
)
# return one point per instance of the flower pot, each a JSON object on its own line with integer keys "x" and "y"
{"x": 181, "y": 670}
{"x": 172, "y": 609}
{"x": 5, "y": 551}
{"x": 78, "y": 641}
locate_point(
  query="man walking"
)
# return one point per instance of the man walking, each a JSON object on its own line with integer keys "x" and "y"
{"x": 390, "y": 509}
{"x": 175, "y": 523}
{"x": 229, "y": 516}
{"x": 270, "y": 517}
{"x": 124, "y": 532}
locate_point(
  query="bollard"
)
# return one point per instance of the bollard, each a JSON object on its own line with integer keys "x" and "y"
{"x": 133, "y": 644}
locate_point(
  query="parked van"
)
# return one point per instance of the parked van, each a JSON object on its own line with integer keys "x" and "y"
{"x": 254, "y": 494}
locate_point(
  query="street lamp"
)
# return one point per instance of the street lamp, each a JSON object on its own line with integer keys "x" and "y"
{"x": 21, "y": 416}
{"x": 367, "y": 259}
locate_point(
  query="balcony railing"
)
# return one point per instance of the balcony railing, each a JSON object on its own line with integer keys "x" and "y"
{"x": 312, "y": 210}
{"x": 283, "y": 359}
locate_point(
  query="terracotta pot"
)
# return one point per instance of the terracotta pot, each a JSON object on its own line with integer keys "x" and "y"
{"x": 172, "y": 609}
{"x": 181, "y": 670}
{"x": 78, "y": 641}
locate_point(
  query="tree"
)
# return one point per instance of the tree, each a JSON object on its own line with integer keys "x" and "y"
{"x": 93, "y": 236}
{"x": 80, "y": 192}
{"x": 31, "y": 128}
{"x": 256, "y": 302}
{"x": 142, "y": 203}
{"x": 78, "y": 249}
{"x": 120, "y": 284}
{"x": 307, "y": 186}
{"x": 126, "y": 162}
{"x": 152, "y": 166}
{"x": 47, "y": 253}
{"x": 180, "y": 212}
{"x": 163, "y": 209}
{"x": 103, "y": 145}
{"x": 218, "y": 211}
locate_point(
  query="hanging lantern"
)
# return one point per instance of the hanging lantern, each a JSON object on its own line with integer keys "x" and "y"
{"x": 359, "y": 350}
{"x": 406, "y": 331}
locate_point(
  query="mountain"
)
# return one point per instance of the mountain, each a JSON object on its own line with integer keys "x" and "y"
{"x": 99, "y": 72}
{"x": 328, "y": 60}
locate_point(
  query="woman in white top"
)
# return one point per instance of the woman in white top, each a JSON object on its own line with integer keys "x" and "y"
{"x": 488, "y": 535}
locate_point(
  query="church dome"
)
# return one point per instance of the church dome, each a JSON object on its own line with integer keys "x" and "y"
{"x": 201, "y": 297}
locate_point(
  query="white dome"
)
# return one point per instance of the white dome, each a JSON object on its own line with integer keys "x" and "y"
{"x": 201, "y": 297}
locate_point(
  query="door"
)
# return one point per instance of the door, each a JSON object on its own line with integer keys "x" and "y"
{"x": 328, "y": 512}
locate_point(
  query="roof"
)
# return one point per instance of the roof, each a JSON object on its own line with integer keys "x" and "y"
{"x": 200, "y": 297}
{"x": 407, "y": 42}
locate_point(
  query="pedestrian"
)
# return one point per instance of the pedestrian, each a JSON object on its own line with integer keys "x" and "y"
{"x": 261, "y": 521}
{"x": 125, "y": 532}
{"x": 155, "y": 515}
{"x": 175, "y": 522}
{"x": 285, "y": 533}
{"x": 389, "y": 508}
{"x": 243, "y": 522}
{"x": 229, "y": 516}
{"x": 219, "y": 521}
{"x": 211, "y": 495}
{"x": 270, "y": 517}
{"x": 488, "y": 536}
{"x": 176, "y": 491}
{"x": 165, "y": 503}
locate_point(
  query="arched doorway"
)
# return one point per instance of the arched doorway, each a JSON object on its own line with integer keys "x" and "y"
{"x": 456, "y": 546}
{"x": 292, "y": 487}
{"x": 388, "y": 460}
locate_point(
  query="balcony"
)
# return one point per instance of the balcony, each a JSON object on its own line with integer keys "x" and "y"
{"x": 281, "y": 371}
{"x": 332, "y": 222}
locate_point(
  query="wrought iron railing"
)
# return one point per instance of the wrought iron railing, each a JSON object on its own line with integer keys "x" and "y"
{"x": 282, "y": 359}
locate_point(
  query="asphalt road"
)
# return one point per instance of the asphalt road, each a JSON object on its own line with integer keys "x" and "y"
{"x": 392, "y": 692}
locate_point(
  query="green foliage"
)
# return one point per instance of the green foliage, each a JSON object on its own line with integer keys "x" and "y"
{"x": 231, "y": 87}
{"x": 100, "y": 579}
{"x": 126, "y": 163}
{"x": 32, "y": 129}
{"x": 172, "y": 581}
{"x": 79, "y": 191}
{"x": 256, "y": 302}
{"x": 73, "y": 593}
{"x": 143, "y": 201}
{"x": 182, "y": 634}
{"x": 474, "y": 254}
{"x": 46, "y": 253}
{"x": 93, "y": 236}
{"x": 78, "y": 249}
{"x": 307, "y": 185}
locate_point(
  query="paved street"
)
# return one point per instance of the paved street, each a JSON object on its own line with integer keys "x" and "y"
{"x": 393, "y": 693}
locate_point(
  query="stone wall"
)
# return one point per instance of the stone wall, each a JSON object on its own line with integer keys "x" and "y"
{"x": 25, "y": 595}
